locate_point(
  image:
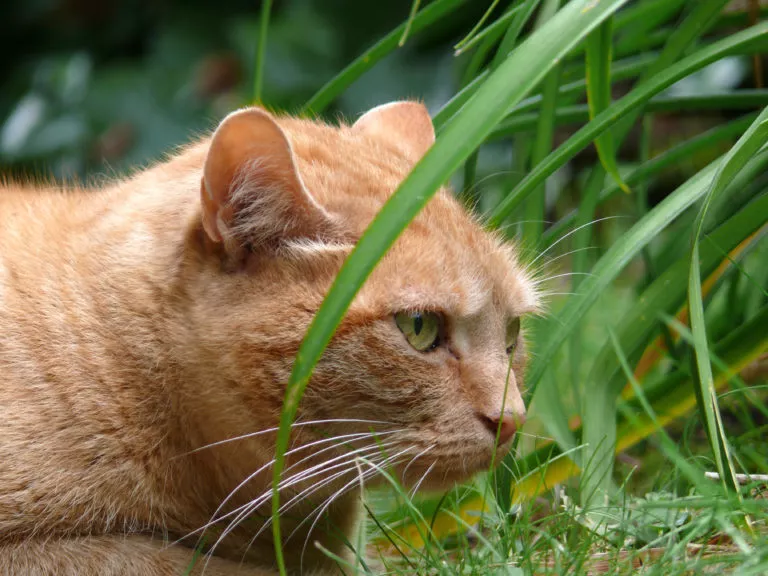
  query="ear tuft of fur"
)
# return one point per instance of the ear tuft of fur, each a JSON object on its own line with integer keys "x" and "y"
{"x": 251, "y": 191}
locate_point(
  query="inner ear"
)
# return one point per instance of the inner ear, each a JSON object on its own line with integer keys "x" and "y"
{"x": 406, "y": 125}
{"x": 251, "y": 190}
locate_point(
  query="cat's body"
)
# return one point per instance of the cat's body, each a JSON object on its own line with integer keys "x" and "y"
{"x": 144, "y": 321}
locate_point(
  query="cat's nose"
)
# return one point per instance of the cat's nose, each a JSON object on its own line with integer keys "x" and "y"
{"x": 505, "y": 425}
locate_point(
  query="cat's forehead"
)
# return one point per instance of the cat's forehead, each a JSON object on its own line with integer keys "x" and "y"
{"x": 444, "y": 259}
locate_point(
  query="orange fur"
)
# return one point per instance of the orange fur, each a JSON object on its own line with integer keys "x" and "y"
{"x": 142, "y": 321}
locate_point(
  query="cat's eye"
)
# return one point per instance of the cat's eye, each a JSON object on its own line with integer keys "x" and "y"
{"x": 513, "y": 332}
{"x": 421, "y": 329}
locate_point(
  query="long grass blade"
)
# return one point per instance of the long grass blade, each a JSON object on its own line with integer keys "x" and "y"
{"x": 748, "y": 145}
{"x": 579, "y": 113}
{"x": 509, "y": 40}
{"x": 477, "y": 27}
{"x": 599, "y": 52}
{"x": 527, "y": 66}
{"x": 668, "y": 292}
{"x": 492, "y": 32}
{"x": 409, "y": 23}
{"x": 533, "y": 225}
{"x": 261, "y": 50}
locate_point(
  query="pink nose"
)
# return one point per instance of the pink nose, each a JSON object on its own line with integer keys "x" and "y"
{"x": 504, "y": 425}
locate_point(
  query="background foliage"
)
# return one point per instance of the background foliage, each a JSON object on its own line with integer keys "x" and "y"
{"x": 89, "y": 84}
{"x": 545, "y": 112}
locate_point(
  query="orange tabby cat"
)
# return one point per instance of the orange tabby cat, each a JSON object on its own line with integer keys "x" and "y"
{"x": 148, "y": 328}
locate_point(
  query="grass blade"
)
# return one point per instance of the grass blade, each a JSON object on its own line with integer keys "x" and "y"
{"x": 644, "y": 17}
{"x": 261, "y": 50}
{"x": 665, "y": 295}
{"x": 507, "y": 44}
{"x": 748, "y": 145}
{"x": 513, "y": 32}
{"x": 491, "y": 32}
{"x": 490, "y": 39}
{"x": 409, "y": 23}
{"x": 700, "y": 17}
{"x": 668, "y": 292}
{"x": 579, "y": 113}
{"x": 600, "y": 410}
{"x": 533, "y": 225}
{"x": 668, "y": 446}
{"x": 599, "y": 49}
{"x": 676, "y": 396}
{"x": 621, "y": 70}
{"x": 614, "y": 260}
{"x": 472, "y": 33}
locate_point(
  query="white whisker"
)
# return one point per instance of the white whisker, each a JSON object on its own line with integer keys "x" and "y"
{"x": 311, "y": 490}
{"x": 477, "y": 183}
{"x": 357, "y": 436}
{"x": 335, "y": 495}
{"x": 534, "y": 272}
{"x": 264, "y": 498}
{"x": 574, "y": 251}
{"x": 369, "y": 446}
{"x": 548, "y": 248}
{"x": 427, "y": 449}
{"x": 376, "y": 467}
{"x": 312, "y": 471}
{"x": 517, "y": 222}
{"x": 563, "y": 275}
{"x": 415, "y": 489}
{"x": 275, "y": 429}
{"x": 245, "y": 510}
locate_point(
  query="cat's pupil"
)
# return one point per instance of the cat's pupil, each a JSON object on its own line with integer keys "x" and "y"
{"x": 418, "y": 323}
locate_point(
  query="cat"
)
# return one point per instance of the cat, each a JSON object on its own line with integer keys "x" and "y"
{"x": 148, "y": 329}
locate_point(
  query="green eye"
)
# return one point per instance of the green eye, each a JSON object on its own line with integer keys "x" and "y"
{"x": 421, "y": 329}
{"x": 513, "y": 331}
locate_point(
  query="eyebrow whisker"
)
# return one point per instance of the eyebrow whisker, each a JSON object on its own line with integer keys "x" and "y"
{"x": 548, "y": 248}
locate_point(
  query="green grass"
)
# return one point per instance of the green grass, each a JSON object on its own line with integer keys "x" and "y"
{"x": 661, "y": 404}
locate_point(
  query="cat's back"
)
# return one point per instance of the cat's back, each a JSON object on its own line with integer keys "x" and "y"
{"x": 34, "y": 237}
{"x": 35, "y": 220}
{"x": 35, "y": 268}
{"x": 69, "y": 259}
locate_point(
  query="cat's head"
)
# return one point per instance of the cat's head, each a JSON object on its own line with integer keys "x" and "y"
{"x": 430, "y": 353}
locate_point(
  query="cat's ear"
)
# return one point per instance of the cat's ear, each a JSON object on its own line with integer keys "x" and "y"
{"x": 251, "y": 191}
{"x": 404, "y": 124}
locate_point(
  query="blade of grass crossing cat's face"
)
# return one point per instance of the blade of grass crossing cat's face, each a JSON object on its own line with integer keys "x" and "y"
{"x": 527, "y": 65}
